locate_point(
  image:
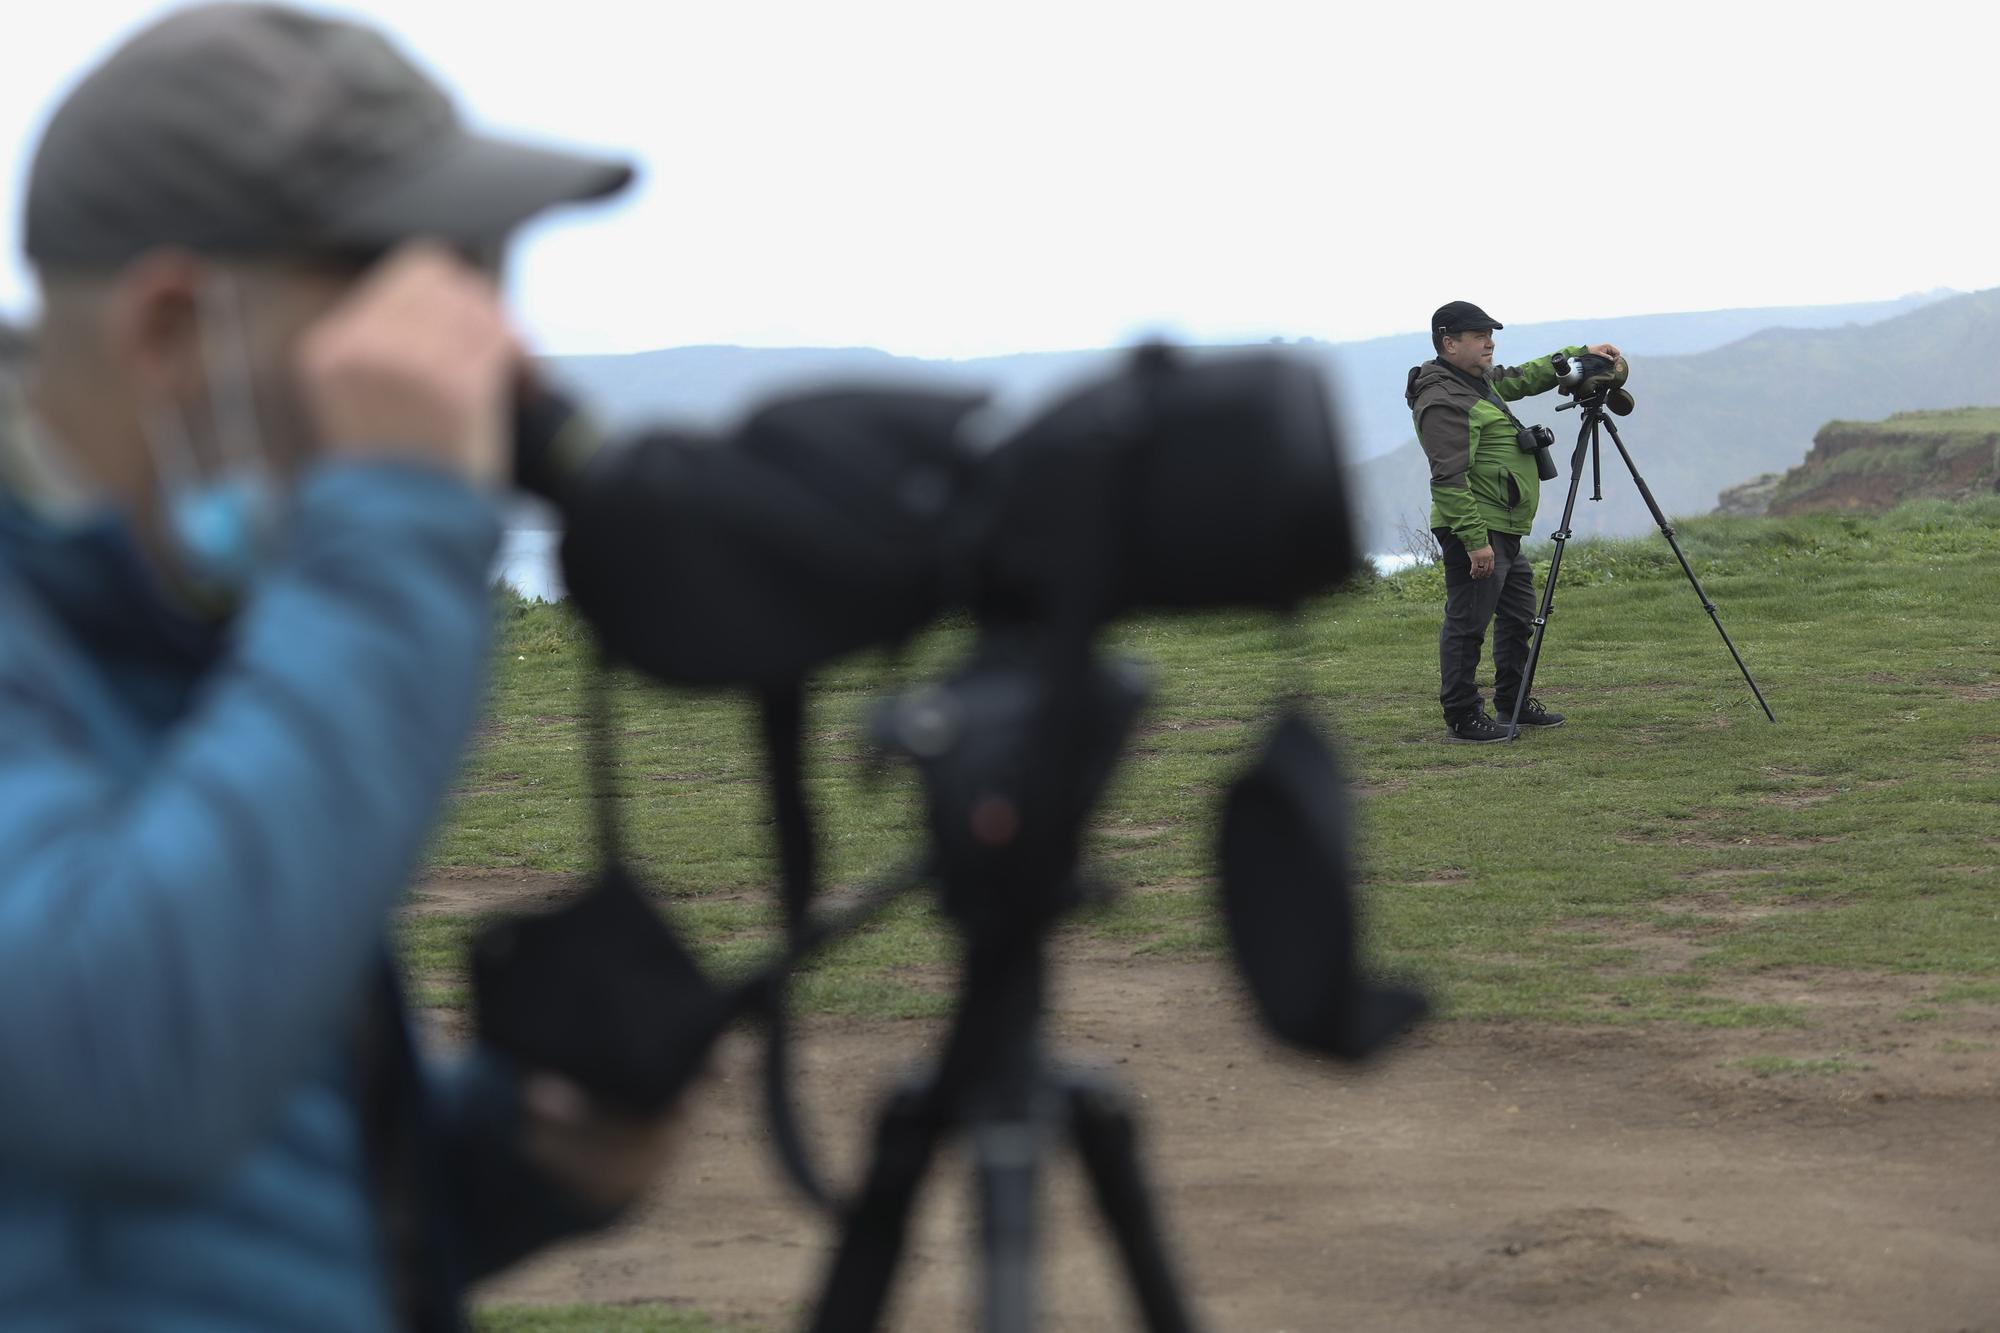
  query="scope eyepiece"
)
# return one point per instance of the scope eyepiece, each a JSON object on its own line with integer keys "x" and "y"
{"x": 1569, "y": 374}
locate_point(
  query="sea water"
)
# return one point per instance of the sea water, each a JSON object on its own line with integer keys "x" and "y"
{"x": 530, "y": 563}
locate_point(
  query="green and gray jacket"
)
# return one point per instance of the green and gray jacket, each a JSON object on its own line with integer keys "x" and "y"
{"x": 1481, "y": 481}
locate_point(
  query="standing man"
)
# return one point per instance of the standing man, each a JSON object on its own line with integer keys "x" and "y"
{"x": 1484, "y": 489}
{"x": 245, "y": 536}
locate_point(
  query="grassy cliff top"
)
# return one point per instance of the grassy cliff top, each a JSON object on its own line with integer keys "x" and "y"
{"x": 1945, "y": 421}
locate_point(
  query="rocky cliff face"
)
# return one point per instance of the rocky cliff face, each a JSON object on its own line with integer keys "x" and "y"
{"x": 1874, "y": 466}
{"x": 1751, "y": 499}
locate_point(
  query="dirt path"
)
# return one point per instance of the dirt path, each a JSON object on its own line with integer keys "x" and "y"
{"x": 1479, "y": 1178}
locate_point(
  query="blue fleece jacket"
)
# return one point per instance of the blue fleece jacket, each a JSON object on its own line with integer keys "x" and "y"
{"x": 202, "y": 832}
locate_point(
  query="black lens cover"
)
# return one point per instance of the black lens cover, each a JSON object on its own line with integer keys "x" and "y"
{"x": 1288, "y": 905}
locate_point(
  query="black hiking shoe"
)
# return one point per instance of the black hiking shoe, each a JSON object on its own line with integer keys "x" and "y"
{"x": 1478, "y": 729}
{"x": 1532, "y": 715}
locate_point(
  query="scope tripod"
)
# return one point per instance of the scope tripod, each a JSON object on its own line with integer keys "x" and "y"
{"x": 1042, "y": 747}
{"x": 1588, "y": 440}
{"x": 994, "y": 1083}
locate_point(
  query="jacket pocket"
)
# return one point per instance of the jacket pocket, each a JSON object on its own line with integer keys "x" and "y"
{"x": 1513, "y": 492}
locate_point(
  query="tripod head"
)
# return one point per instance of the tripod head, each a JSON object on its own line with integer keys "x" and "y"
{"x": 1014, "y": 750}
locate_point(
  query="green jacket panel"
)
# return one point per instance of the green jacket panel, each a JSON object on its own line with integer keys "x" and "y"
{"x": 1481, "y": 481}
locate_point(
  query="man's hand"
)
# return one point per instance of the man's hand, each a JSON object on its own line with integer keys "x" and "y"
{"x": 605, "y": 1158}
{"x": 1605, "y": 350}
{"x": 1482, "y": 561}
{"x": 415, "y": 363}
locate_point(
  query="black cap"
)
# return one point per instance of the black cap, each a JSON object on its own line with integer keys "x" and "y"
{"x": 253, "y": 129}
{"x": 1458, "y": 316}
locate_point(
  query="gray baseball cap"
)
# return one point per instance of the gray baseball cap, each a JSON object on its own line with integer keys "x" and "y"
{"x": 253, "y": 129}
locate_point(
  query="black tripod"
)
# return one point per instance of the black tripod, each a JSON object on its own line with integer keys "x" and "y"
{"x": 1587, "y": 440}
{"x": 995, "y": 1085}
{"x": 1009, "y": 801}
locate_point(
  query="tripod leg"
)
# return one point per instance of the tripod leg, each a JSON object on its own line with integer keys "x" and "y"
{"x": 1667, "y": 531}
{"x": 872, "y": 1241}
{"x": 1007, "y": 1155}
{"x": 1586, "y": 439}
{"x": 1104, "y": 1130}
{"x": 1007, "y": 1109}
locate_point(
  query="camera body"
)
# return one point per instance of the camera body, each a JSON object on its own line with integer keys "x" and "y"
{"x": 1535, "y": 439}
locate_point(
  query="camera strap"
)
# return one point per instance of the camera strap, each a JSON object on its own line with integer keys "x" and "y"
{"x": 1484, "y": 387}
{"x": 1492, "y": 396}
{"x": 782, "y": 713}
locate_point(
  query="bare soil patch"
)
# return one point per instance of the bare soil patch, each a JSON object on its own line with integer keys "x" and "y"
{"x": 1489, "y": 1177}
{"x": 1800, "y": 799}
{"x": 1158, "y": 727}
{"x": 1715, "y": 911}
{"x": 469, "y": 891}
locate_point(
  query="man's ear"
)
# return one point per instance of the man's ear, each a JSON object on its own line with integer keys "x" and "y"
{"x": 153, "y": 325}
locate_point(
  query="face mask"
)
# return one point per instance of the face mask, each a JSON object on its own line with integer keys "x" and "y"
{"x": 224, "y": 525}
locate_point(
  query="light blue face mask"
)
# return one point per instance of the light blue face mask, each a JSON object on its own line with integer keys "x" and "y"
{"x": 226, "y": 525}
{"x": 225, "y": 532}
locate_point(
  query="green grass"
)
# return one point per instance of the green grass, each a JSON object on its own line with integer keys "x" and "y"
{"x": 1556, "y": 880}
{"x": 1946, "y": 421}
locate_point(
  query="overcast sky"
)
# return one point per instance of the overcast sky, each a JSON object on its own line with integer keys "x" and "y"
{"x": 956, "y": 179}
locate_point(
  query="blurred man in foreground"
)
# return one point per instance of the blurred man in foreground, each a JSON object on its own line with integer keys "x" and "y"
{"x": 244, "y": 547}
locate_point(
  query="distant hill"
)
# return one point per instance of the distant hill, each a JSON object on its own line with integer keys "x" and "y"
{"x": 703, "y": 386}
{"x": 1708, "y": 421}
{"x": 1370, "y": 374}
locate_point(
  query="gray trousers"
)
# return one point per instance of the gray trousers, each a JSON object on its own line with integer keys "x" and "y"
{"x": 1504, "y": 599}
